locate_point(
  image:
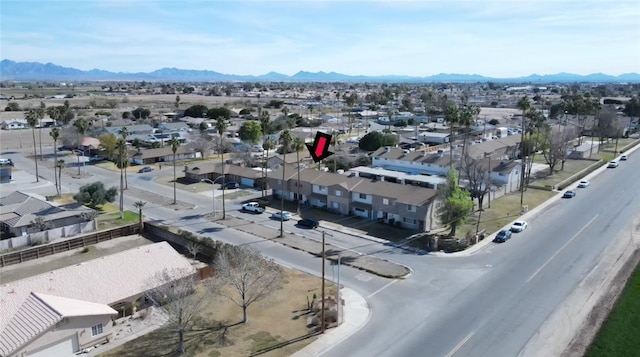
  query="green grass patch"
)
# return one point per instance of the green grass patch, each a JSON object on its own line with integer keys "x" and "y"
{"x": 112, "y": 219}
{"x": 108, "y": 208}
{"x": 262, "y": 340}
{"x": 503, "y": 210}
{"x": 571, "y": 167}
{"x": 618, "y": 336}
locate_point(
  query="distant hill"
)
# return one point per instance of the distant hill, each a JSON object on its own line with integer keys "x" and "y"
{"x": 11, "y": 70}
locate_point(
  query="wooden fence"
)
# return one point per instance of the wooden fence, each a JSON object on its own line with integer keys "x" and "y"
{"x": 68, "y": 244}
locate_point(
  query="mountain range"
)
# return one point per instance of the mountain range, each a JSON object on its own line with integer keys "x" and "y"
{"x": 29, "y": 71}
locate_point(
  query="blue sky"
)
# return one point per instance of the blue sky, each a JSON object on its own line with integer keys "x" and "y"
{"x": 499, "y": 38}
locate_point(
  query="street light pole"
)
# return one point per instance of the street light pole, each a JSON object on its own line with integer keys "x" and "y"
{"x": 213, "y": 192}
{"x": 338, "y": 291}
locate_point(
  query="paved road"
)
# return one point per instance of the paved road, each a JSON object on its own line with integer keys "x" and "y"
{"x": 487, "y": 304}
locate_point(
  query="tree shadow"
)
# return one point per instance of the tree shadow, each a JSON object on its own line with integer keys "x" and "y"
{"x": 284, "y": 344}
{"x": 193, "y": 216}
{"x": 210, "y": 230}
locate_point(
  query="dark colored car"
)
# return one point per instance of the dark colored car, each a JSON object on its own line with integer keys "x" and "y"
{"x": 569, "y": 194}
{"x": 308, "y": 222}
{"x": 502, "y": 236}
{"x": 231, "y": 185}
{"x": 145, "y": 169}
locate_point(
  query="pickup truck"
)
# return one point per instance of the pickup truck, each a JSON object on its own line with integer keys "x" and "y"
{"x": 252, "y": 207}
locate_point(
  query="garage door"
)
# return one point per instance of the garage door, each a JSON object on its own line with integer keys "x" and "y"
{"x": 246, "y": 182}
{"x": 64, "y": 348}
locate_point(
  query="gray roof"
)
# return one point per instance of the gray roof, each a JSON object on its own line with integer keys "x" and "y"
{"x": 19, "y": 209}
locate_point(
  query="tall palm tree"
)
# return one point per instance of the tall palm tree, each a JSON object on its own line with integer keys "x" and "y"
{"x": 524, "y": 104}
{"x": 81, "y": 126}
{"x": 121, "y": 145}
{"x": 42, "y": 110}
{"x": 221, "y": 127}
{"x": 60, "y": 166}
{"x": 55, "y": 135}
{"x": 467, "y": 118}
{"x": 175, "y": 144}
{"x": 139, "y": 205}
{"x": 285, "y": 141}
{"x": 298, "y": 145}
{"x": 452, "y": 117}
{"x": 124, "y": 132}
{"x": 32, "y": 121}
{"x": 267, "y": 144}
{"x": 265, "y": 124}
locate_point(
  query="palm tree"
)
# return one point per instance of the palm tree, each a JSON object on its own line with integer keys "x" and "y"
{"x": 175, "y": 144}
{"x": 121, "y": 145}
{"x": 265, "y": 124}
{"x": 60, "y": 166}
{"x": 523, "y": 104}
{"x": 55, "y": 135}
{"x": 298, "y": 144}
{"x": 41, "y": 112}
{"x": 452, "y": 117}
{"x": 81, "y": 126}
{"x": 221, "y": 127}
{"x": 268, "y": 144}
{"x": 124, "y": 133}
{"x": 139, "y": 205}
{"x": 285, "y": 141}
{"x": 466, "y": 119}
{"x": 32, "y": 121}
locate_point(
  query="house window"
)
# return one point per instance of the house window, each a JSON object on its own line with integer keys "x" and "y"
{"x": 362, "y": 196}
{"x": 411, "y": 208}
{"x": 385, "y": 201}
{"x": 338, "y": 193}
{"x": 96, "y": 330}
{"x": 359, "y": 210}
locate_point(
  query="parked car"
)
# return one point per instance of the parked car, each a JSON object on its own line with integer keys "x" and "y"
{"x": 284, "y": 216}
{"x": 252, "y": 207}
{"x": 502, "y": 236}
{"x": 97, "y": 158}
{"x": 309, "y": 223}
{"x": 231, "y": 185}
{"x": 518, "y": 226}
{"x": 613, "y": 165}
{"x": 569, "y": 194}
{"x": 583, "y": 184}
{"x": 623, "y": 158}
{"x": 145, "y": 169}
{"x": 6, "y": 162}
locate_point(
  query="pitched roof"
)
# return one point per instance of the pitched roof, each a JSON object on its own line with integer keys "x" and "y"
{"x": 104, "y": 280}
{"x": 40, "y": 312}
{"x": 407, "y": 194}
{"x": 160, "y": 152}
{"x": 19, "y": 209}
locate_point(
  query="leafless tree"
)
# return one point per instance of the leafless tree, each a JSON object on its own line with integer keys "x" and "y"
{"x": 248, "y": 277}
{"x": 555, "y": 144}
{"x": 194, "y": 248}
{"x": 605, "y": 127}
{"x": 39, "y": 224}
{"x": 69, "y": 136}
{"x": 179, "y": 299}
{"x": 201, "y": 143}
{"x": 477, "y": 172}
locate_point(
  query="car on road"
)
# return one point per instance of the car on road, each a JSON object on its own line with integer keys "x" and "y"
{"x": 569, "y": 194}
{"x": 583, "y": 184}
{"x": 623, "y": 158}
{"x": 253, "y": 207}
{"x": 502, "y": 236}
{"x": 145, "y": 169}
{"x": 308, "y": 222}
{"x": 96, "y": 158}
{"x": 6, "y": 162}
{"x": 518, "y": 226}
{"x": 612, "y": 165}
{"x": 231, "y": 185}
{"x": 281, "y": 216}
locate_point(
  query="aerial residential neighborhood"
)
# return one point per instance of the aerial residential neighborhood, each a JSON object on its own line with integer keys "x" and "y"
{"x": 363, "y": 178}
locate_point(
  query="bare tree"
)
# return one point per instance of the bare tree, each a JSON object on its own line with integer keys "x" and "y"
{"x": 554, "y": 146}
{"x": 201, "y": 143}
{"x": 179, "y": 299}
{"x": 477, "y": 173}
{"x": 194, "y": 248}
{"x": 39, "y": 224}
{"x": 248, "y": 276}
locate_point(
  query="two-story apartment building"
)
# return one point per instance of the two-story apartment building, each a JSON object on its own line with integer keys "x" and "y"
{"x": 406, "y": 205}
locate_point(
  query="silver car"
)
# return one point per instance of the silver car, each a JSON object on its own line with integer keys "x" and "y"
{"x": 284, "y": 216}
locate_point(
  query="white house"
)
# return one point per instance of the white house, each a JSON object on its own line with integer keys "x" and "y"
{"x": 12, "y": 124}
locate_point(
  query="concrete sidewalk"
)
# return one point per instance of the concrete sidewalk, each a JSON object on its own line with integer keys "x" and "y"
{"x": 356, "y": 314}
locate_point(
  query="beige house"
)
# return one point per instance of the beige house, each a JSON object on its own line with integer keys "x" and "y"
{"x": 66, "y": 310}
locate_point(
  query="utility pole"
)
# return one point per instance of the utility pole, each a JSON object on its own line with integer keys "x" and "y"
{"x": 322, "y": 290}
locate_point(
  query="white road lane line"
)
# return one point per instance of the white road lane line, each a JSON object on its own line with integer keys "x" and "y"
{"x": 382, "y": 288}
{"x": 460, "y": 344}
{"x": 564, "y": 246}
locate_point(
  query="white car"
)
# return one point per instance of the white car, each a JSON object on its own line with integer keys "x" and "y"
{"x": 583, "y": 184}
{"x": 284, "y": 216}
{"x": 613, "y": 165}
{"x": 518, "y": 226}
{"x": 252, "y": 207}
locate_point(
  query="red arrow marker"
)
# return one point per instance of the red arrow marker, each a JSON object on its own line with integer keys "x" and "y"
{"x": 320, "y": 147}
